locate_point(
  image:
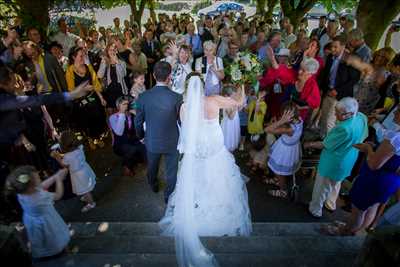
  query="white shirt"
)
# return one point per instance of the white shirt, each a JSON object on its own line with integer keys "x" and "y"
{"x": 179, "y": 75}
{"x": 66, "y": 40}
{"x": 217, "y": 62}
{"x": 291, "y": 38}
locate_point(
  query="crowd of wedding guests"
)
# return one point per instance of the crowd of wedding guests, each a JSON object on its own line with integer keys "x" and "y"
{"x": 322, "y": 91}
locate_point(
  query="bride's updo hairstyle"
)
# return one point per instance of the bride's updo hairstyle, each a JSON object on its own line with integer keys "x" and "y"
{"x": 190, "y": 75}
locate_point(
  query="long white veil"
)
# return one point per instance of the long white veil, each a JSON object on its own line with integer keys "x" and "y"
{"x": 190, "y": 252}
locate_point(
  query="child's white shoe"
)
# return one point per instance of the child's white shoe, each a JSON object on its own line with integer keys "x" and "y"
{"x": 88, "y": 207}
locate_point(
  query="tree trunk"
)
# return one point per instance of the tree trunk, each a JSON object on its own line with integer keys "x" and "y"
{"x": 137, "y": 13}
{"x": 35, "y": 13}
{"x": 373, "y": 17}
{"x": 260, "y": 6}
{"x": 271, "y": 4}
{"x": 296, "y": 13}
{"x": 151, "y": 5}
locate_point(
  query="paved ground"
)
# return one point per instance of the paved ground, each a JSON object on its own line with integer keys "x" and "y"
{"x": 130, "y": 198}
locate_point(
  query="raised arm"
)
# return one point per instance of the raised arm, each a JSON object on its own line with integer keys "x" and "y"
{"x": 229, "y": 102}
{"x": 57, "y": 178}
{"x": 377, "y": 159}
{"x": 278, "y": 127}
{"x": 365, "y": 68}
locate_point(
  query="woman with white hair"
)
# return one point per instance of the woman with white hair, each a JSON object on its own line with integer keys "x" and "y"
{"x": 212, "y": 69}
{"x": 307, "y": 96}
{"x": 338, "y": 154}
{"x": 377, "y": 182}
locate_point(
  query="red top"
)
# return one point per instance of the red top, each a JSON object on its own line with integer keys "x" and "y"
{"x": 285, "y": 75}
{"x": 311, "y": 95}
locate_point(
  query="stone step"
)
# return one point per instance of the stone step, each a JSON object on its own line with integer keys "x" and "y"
{"x": 91, "y": 229}
{"x": 272, "y": 245}
{"x": 225, "y": 260}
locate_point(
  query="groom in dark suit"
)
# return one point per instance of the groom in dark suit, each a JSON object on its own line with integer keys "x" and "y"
{"x": 159, "y": 108}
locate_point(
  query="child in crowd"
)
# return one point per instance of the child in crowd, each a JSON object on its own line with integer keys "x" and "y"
{"x": 257, "y": 110}
{"x": 285, "y": 154}
{"x": 83, "y": 179}
{"x": 259, "y": 152}
{"x": 47, "y": 232}
{"x": 243, "y": 117}
{"x": 138, "y": 86}
{"x": 230, "y": 123}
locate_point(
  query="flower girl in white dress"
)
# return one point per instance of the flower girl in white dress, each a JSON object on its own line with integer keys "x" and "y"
{"x": 285, "y": 154}
{"x": 47, "y": 232}
{"x": 231, "y": 123}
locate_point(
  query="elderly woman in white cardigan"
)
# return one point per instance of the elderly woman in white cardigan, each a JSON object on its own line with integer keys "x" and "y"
{"x": 212, "y": 69}
{"x": 113, "y": 70}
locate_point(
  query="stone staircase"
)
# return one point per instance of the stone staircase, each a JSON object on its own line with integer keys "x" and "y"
{"x": 132, "y": 244}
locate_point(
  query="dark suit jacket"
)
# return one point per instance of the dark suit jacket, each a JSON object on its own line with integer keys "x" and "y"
{"x": 206, "y": 36}
{"x": 346, "y": 78}
{"x": 315, "y": 33}
{"x": 12, "y": 123}
{"x": 159, "y": 109}
{"x": 146, "y": 49}
{"x": 55, "y": 73}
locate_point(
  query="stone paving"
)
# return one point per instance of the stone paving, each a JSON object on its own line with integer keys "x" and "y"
{"x": 126, "y": 199}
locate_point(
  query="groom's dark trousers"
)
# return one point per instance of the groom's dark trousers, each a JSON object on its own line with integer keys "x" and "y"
{"x": 159, "y": 108}
{"x": 171, "y": 168}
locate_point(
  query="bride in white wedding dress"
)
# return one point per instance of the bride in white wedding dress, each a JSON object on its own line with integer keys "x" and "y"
{"x": 210, "y": 197}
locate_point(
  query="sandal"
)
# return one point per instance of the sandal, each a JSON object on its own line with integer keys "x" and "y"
{"x": 272, "y": 181}
{"x": 88, "y": 207}
{"x": 278, "y": 193}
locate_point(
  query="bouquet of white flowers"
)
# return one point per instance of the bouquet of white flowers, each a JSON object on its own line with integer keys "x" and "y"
{"x": 245, "y": 69}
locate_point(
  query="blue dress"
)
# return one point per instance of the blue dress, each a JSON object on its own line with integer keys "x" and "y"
{"x": 377, "y": 186}
{"x": 45, "y": 228}
{"x": 285, "y": 154}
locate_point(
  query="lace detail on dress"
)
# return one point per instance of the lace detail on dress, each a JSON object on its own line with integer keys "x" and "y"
{"x": 220, "y": 195}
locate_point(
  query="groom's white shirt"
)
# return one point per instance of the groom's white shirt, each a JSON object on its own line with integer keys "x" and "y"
{"x": 162, "y": 84}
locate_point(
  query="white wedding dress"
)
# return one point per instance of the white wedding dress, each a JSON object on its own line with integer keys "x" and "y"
{"x": 210, "y": 198}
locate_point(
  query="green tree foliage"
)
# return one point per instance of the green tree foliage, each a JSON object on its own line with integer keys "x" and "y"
{"x": 201, "y": 5}
{"x": 9, "y": 9}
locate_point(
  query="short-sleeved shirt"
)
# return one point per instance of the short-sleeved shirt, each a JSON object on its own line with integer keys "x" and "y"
{"x": 338, "y": 156}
